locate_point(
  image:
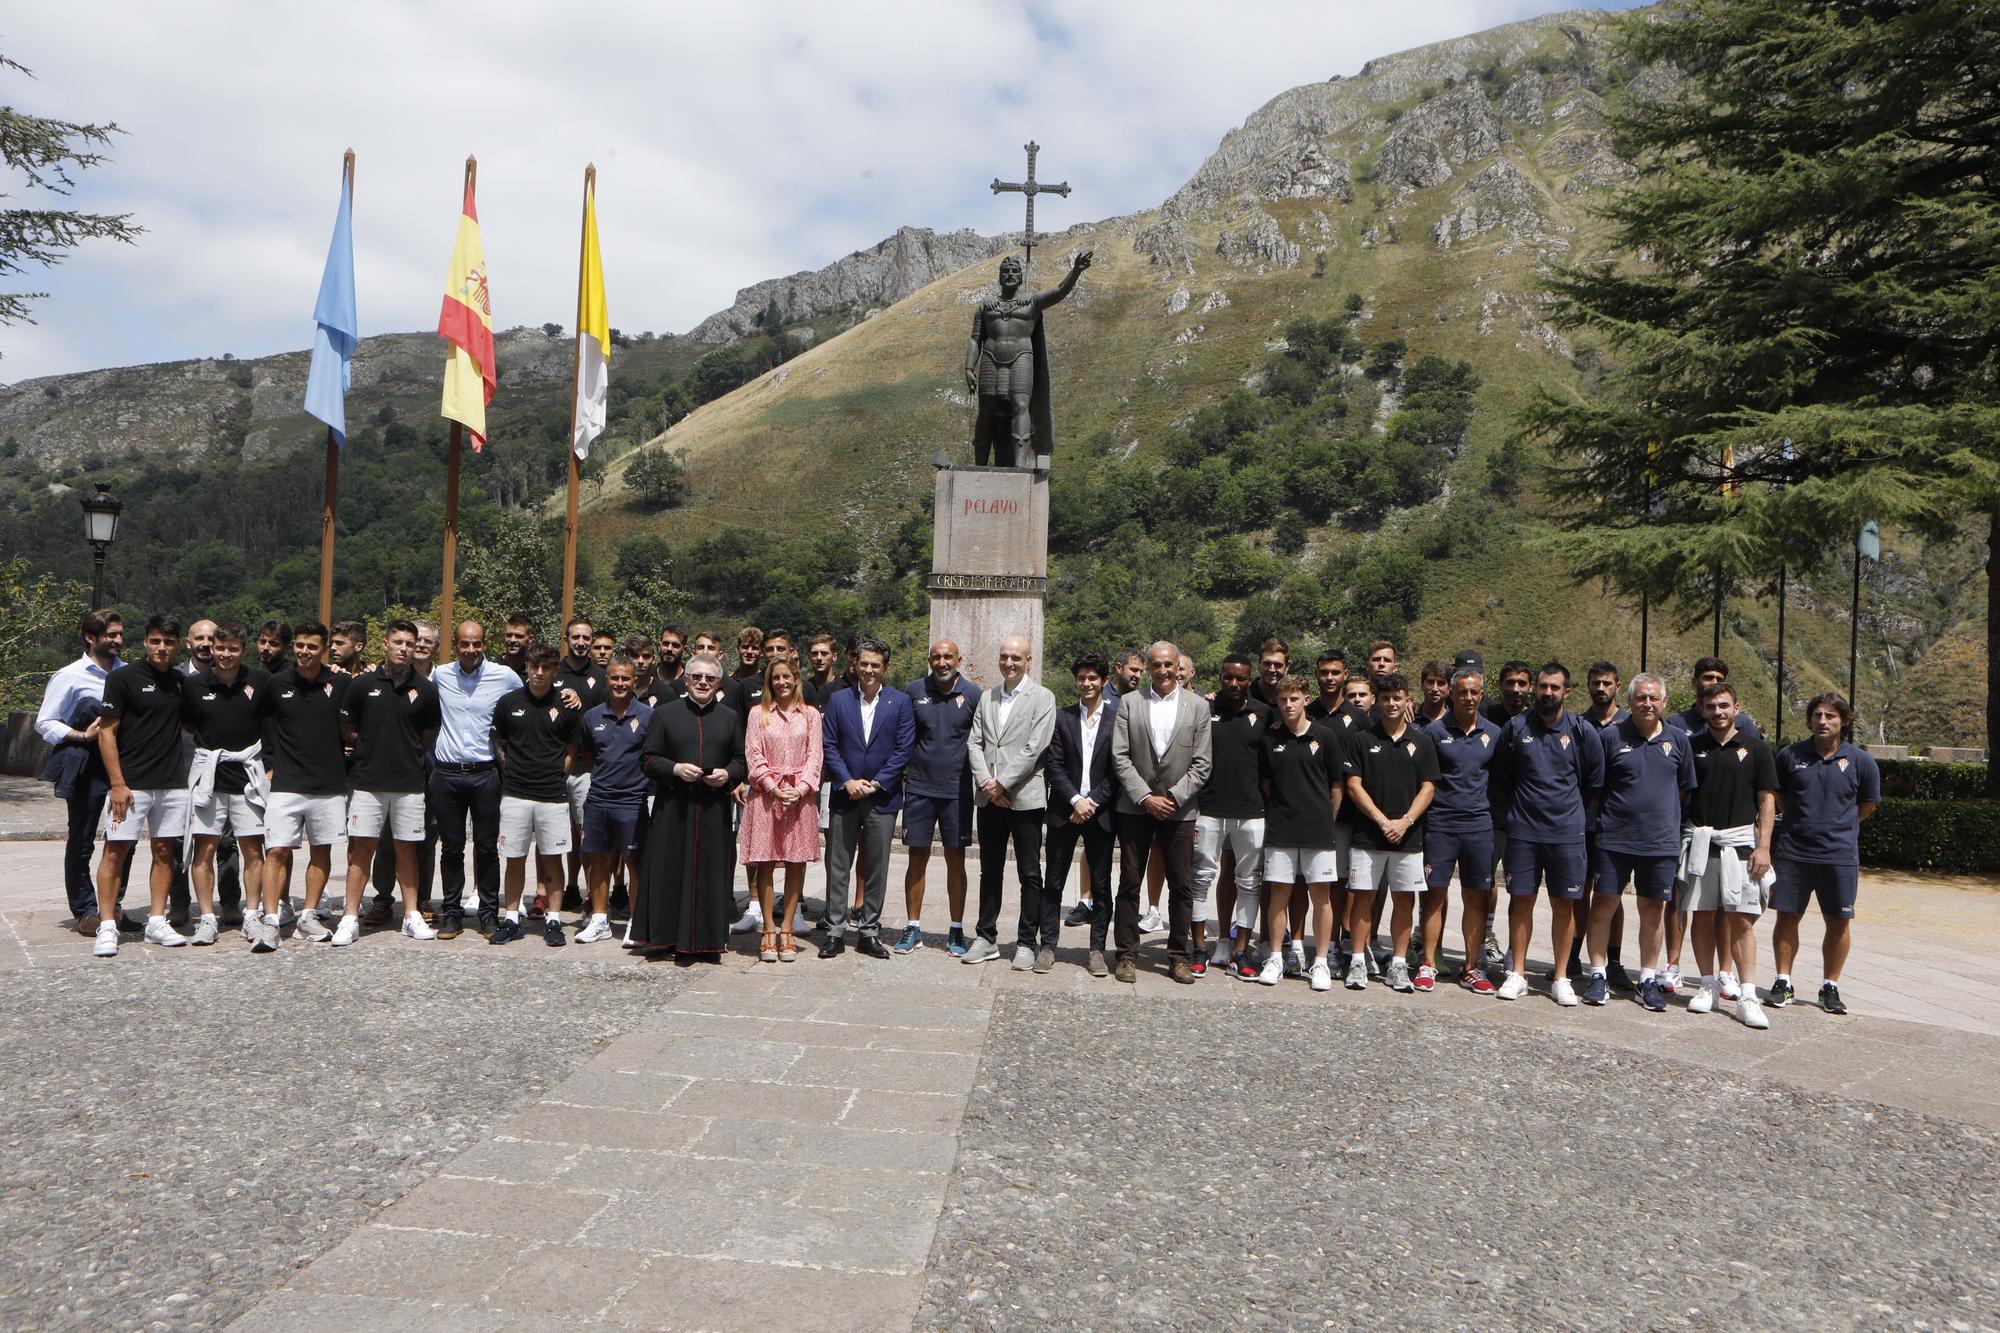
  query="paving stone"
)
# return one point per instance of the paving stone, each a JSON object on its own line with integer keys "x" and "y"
{"x": 492, "y": 1208}
{"x": 702, "y": 1057}
{"x": 590, "y": 1127}
{"x": 837, "y": 1146}
{"x": 935, "y": 1113}
{"x": 317, "y": 1312}
{"x": 903, "y": 1071}
{"x": 769, "y": 1180}
{"x": 515, "y": 1163}
{"x": 734, "y": 1099}
{"x": 424, "y": 1266}
{"x": 612, "y": 1090}
{"x": 716, "y": 1294}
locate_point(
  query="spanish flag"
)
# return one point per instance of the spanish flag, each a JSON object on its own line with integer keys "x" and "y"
{"x": 466, "y": 321}
{"x": 593, "y": 329}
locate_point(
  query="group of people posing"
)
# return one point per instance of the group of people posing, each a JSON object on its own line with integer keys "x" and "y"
{"x": 1270, "y": 811}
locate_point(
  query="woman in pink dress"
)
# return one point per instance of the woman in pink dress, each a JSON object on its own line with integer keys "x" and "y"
{"x": 781, "y": 745}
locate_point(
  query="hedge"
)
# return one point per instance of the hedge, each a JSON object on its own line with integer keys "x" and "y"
{"x": 1959, "y": 836}
{"x": 1923, "y": 780}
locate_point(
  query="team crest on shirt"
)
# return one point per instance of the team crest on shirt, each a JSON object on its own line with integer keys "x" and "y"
{"x": 249, "y": 691}
{"x": 1564, "y": 740}
{"x": 1411, "y": 746}
{"x": 1486, "y": 738}
{"x": 1742, "y": 756}
{"x": 1313, "y": 746}
{"x": 413, "y": 694}
{"x": 1842, "y": 761}
{"x": 1667, "y": 746}
{"x": 553, "y": 712}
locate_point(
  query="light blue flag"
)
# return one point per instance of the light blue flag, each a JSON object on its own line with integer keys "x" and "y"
{"x": 336, "y": 327}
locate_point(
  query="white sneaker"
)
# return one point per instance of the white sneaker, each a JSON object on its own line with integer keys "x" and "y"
{"x": 598, "y": 929}
{"x": 1704, "y": 997}
{"x": 1024, "y": 958}
{"x": 1273, "y": 970}
{"x": 107, "y": 941}
{"x": 1357, "y": 971}
{"x": 1750, "y": 1011}
{"x": 251, "y": 916}
{"x": 160, "y": 933}
{"x": 1564, "y": 993}
{"x": 266, "y": 938}
{"x": 1150, "y": 921}
{"x": 1670, "y": 980}
{"x": 206, "y": 930}
{"x": 349, "y": 931}
{"x": 1321, "y": 975}
{"x": 310, "y": 926}
{"x": 1730, "y": 990}
{"x": 416, "y": 928}
{"x": 1514, "y": 987}
{"x": 750, "y": 922}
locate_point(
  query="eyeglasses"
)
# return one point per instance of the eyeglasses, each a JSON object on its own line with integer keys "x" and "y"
{"x": 699, "y": 676}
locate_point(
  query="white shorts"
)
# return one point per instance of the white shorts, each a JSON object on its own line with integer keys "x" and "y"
{"x": 543, "y": 823}
{"x": 1704, "y": 893}
{"x": 293, "y": 819}
{"x": 1398, "y": 871}
{"x": 1245, "y": 837}
{"x": 1288, "y": 865}
{"x": 1343, "y": 852}
{"x": 402, "y": 811}
{"x": 222, "y": 814}
{"x": 162, "y": 810}
{"x": 579, "y": 791}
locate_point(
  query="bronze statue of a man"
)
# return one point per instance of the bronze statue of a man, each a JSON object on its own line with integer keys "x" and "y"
{"x": 1007, "y": 366}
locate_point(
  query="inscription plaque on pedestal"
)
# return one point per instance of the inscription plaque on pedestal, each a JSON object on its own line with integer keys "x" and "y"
{"x": 989, "y": 564}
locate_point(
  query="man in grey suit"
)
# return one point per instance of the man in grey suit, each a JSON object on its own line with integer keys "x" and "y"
{"x": 1010, "y": 731}
{"x": 1160, "y": 757}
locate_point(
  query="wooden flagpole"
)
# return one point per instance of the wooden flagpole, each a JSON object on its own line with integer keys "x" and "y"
{"x": 576, "y": 388}
{"x": 446, "y": 625}
{"x": 326, "y": 527}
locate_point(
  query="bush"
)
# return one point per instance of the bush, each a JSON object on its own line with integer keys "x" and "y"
{"x": 658, "y": 479}
{"x": 1922, "y": 780}
{"x": 1958, "y": 836}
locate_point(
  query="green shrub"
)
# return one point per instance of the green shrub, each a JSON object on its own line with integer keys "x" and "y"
{"x": 1922, "y": 780}
{"x": 1958, "y": 836}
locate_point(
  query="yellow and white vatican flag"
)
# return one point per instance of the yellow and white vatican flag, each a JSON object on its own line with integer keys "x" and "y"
{"x": 593, "y": 332}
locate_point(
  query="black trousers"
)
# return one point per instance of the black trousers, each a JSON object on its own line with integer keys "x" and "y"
{"x": 453, "y": 794}
{"x": 383, "y": 873}
{"x": 1097, "y": 843}
{"x": 86, "y": 807}
{"x": 997, "y": 826}
{"x": 1137, "y": 835}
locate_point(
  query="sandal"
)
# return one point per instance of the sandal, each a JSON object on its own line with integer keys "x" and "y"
{"x": 768, "y": 952}
{"x": 788, "y": 947}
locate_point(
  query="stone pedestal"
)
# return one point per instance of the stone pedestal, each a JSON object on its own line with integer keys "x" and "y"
{"x": 989, "y": 564}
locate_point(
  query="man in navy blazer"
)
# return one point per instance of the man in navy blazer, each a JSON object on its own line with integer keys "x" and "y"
{"x": 868, "y": 735}
{"x": 1081, "y": 799}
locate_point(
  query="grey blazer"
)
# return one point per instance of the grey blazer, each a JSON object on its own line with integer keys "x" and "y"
{"x": 1013, "y": 755}
{"x": 1183, "y": 770}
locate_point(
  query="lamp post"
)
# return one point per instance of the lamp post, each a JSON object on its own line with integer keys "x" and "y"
{"x": 100, "y": 527}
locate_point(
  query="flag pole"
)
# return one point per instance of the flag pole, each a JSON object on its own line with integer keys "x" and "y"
{"x": 445, "y": 622}
{"x": 576, "y": 388}
{"x": 326, "y": 527}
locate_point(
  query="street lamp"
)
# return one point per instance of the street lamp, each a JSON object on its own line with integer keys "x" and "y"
{"x": 100, "y": 527}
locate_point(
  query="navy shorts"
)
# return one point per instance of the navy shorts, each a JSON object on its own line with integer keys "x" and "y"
{"x": 946, "y": 817}
{"x": 1471, "y": 854}
{"x": 1529, "y": 863}
{"x": 1650, "y": 876}
{"x": 1799, "y": 882}
{"x": 612, "y": 828}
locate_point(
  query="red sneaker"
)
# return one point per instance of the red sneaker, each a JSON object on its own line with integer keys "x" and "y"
{"x": 1199, "y": 963}
{"x": 1427, "y": 978}
{"x": 1474, "y": 980}
{"x": 539, "y": 908}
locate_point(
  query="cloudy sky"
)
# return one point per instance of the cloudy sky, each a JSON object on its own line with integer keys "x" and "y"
{"x": 733, "y": 142}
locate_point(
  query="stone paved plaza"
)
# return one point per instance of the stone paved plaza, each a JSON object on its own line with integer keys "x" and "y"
{"x": 451, "y": 1136}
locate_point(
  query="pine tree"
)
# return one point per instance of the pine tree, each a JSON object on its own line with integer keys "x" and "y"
{"x": 44, "y": 152}
{"x": 1802, "y": 322}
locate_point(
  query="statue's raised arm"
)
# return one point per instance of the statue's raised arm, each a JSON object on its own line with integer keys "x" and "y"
{"x": 1068, "y": 283}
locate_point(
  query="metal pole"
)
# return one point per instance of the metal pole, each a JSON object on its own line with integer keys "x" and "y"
{"x": 1778, "y": 736}
{"x": 1854, "y": 627}
{"x": 326, "y": 520}
{"x": 575, "y": 468}
{"x": 446, "y": 624}
{"x": 97, "y": 578}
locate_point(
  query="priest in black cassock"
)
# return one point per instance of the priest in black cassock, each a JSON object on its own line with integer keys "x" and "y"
{"x": 694, "y": 756}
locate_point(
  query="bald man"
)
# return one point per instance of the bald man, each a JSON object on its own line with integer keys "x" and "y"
{"x": 1007, "y": 749}
{"x": 937, "y": 792}
{"x": 465, "y": 780}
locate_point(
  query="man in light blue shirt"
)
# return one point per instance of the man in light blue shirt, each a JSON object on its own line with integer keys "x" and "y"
{"x": 464, "y": 779}
{"x": 68, "y": 722}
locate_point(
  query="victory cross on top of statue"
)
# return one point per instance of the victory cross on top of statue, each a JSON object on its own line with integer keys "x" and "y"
{"x": 1007, "y": 359}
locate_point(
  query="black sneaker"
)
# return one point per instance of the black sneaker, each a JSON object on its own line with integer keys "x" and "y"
{"x": 1245, "y": 965}
{"x": 1780, "y": 994}
{"x": 572, "y": 900}
{"x": 450, "y": 924}
{"x": 488, "y": 923}
{"x": 1079, "y": 915}
{"x": 1620, "y": 979}
{"x": 1829, "y": 998}
{"x": 506, "y": 932}
{"x": 552, "y": 933}
{"x": 621, "y": 900}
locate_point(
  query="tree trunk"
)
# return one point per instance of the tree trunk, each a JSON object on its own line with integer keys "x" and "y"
{"x": 1993, "y": 652}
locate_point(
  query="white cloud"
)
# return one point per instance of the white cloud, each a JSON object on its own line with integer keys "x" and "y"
{"x": 733, "y": 142}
